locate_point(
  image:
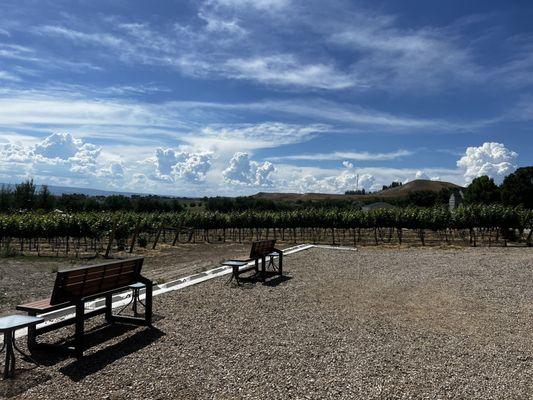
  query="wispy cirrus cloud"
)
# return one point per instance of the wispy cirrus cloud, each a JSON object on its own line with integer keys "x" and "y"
{"x": 257, "y": 4}
{"x": 8, "y": 76}
{"x": 239, "y": 40}
{"x": 352, "y": 116}
{"x": 348, "y": 155}
{"x": 286, "y": 70}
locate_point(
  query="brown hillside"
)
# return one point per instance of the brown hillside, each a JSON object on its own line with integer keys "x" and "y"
{"x": 417, "y": 185}
{"x": 400, "y": 191}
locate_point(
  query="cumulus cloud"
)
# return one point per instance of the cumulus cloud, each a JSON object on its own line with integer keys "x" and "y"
{"x": 242, "y": 170}
{"x": 165, "y": 160}
{"x": 421, "y": 175}
{"x": 62, "y": 149}
{"x": 191, "y": 167}
{"x": 58, "y": 145}
{"x": 194, "y": 167}
{"x": 348, "y": 179}
{"x": 491, "y": 159}
{"x": 13, "y": 152}
{"x": 115, "y": 170}
{"x": 59, "y": 158}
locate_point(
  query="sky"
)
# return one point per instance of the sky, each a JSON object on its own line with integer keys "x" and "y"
{"x": 233, "y": 97}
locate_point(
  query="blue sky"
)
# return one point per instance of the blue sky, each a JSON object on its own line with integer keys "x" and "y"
{"x": 233, "y": 97}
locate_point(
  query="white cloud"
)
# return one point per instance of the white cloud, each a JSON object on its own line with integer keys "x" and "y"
{"x": 259, "y": 4}
{"x": 349, "y": 178}
{"x": 286, "y": 70}
{"x": 114, "y": 171}
{"x": 191, "y": 167}
{"x": 16, "y": 153}
{"x": 94, "y": 38}
{"x": 165, "y": 160}
{"x": 421, "y": 175}
{"x": 215, "y": 23}
{"x": 59, "y": 158}
{"x": 491, "y": 159}
{"x": 296, "y": 46}
{"x": 85, "y": 160}
{"x": 194, "y": 167}
{"x": 355, "y": 117}
{"x": 252, "y": 136}
{"x": 242, "y": 170}
{"x": 8, "y": 76}
{"x": 290, "y": 178}
{"x": 348, "y": 155}
{"x": 393, "y": 58}
{"x": 59, "y": 145}
{"x": 66, "y": 109}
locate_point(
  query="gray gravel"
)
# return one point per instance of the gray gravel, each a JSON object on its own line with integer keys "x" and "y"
{"x": 372, "y": 324}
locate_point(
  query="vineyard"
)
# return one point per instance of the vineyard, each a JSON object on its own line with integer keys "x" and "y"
{"x": 103, "y": 232}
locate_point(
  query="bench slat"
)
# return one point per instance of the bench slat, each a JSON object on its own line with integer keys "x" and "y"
{"x": 88, "y": 281}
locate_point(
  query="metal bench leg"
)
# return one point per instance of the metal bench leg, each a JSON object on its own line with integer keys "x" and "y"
{"x": 7, "y": 345}
{"x": 148, "y": 303}
{"x": 236, "y": 273}
{"x": 109, "y": 308}
{"x": 27, "y": 356}
{"x": 32, "y": 336}
{"x": 79, "y": 330}
{"x": 136, "y": 299}
{"x": 9, "y": 367}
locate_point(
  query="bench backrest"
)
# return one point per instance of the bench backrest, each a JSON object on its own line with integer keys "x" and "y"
{"x": 82, "y": 282}
{"x": 261, "y": 248}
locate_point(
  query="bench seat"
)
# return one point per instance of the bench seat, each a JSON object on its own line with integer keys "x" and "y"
{"x": 41, "y": 306}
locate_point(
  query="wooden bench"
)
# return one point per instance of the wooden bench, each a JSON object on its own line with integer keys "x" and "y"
{"x": 260, "y": 250}
{"x": 76, "y": 286}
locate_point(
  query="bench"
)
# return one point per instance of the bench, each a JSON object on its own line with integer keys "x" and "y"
{"x": 74, "y": 287}
{"x": 261, "y": 249}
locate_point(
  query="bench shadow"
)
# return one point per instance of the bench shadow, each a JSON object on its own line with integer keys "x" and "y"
{"x": 272, "y": 279}
{"x": 277, "y": 280}
{"x": 92, "y": 363}
{"x": 49, "y": 354}
{"x": 25, "y": 379}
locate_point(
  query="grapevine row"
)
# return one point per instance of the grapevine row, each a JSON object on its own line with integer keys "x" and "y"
{"x": 97, "y": 226}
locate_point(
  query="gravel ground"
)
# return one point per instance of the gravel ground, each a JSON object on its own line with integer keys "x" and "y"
{"x": 370, "y": 324}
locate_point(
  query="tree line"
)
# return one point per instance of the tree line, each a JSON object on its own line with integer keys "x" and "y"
{"x": 516, "y": 190}
{"x": 26, "y": 197}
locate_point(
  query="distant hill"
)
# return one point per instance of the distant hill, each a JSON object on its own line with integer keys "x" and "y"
{"x": 415, "y": 186}
{"x": 59, "y": 190}
{"x": 397, "y": 192}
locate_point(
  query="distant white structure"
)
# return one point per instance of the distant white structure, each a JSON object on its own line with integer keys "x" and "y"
{"x": 455, "y": 200}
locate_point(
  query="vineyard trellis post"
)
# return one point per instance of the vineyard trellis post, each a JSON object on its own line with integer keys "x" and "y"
{"x": 111, "y": 238}
{"x": 135, "y": 234}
